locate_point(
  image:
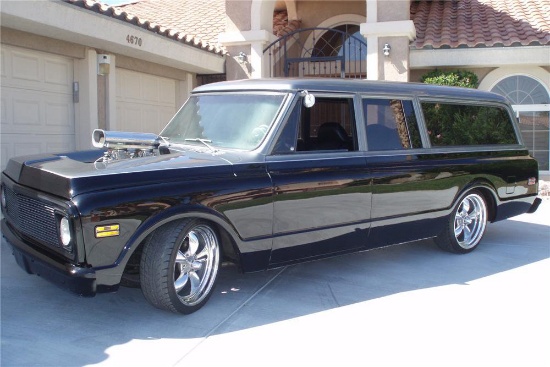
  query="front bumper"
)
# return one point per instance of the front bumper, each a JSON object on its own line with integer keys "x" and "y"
{"x": 79, "y": 280}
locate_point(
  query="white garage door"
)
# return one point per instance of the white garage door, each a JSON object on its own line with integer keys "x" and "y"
{"x": 145, "y": 102}
{"x": 37, "y": 111}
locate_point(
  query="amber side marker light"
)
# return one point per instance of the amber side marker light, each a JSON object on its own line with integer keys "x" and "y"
{"x": 107, "y": 231}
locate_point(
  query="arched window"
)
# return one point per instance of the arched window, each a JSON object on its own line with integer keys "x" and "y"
{"x": 344, "y": 40}
{"x": 531, "y": 101}
{"x": 521, "y": 89}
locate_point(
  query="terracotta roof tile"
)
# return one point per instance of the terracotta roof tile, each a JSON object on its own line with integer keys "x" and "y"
{"x": 480, "y": 23}
{"x": 439, "y": 24}
{"x": 183, "y": 21}
{"x": 199, "y": 19}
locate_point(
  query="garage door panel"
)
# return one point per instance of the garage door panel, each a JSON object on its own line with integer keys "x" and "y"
{"x": 165, "y": 117}
{"x": 35, "y": 144}
{"x": 143, "y": 118}
{"x": 27, "y": 69}
{"x": 64, "y": 143}
{"x": 28, "y": 148}
{"x": 129, "y": 118}
{"x": 26, "y": 113}
{"x": 3, "y": 61}
{"x": 36, "y": 100}
{"x": 145, "y": 102}
{"x": 3, "y": 109}
{"x": 167, "y": 93}
{"x": 157, "y": 118}
{"x": 43, "y": 113}
{"x": 128, "y": 88}
{"x": 58, "y": 115}
{"x": 150, "y": 88}
{"x": 58, "y": 73}
{"x": 152, "y": 118}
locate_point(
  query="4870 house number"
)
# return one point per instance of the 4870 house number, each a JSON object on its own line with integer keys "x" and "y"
{"x": 134, "y": 40}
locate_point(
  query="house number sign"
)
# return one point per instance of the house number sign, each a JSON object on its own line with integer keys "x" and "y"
{"x": 133, "y": 40}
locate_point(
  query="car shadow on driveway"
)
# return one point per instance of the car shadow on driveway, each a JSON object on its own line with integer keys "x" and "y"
{"x": 43, "y": 325}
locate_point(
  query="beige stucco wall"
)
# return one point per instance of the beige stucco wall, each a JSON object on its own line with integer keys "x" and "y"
{"x": 39, "y": 43}
{"x": 393, "y": 10}
{"x": 235, "y": 70}
{"x": 313, "y": 13}
{"x": 238, "y": 15}
{"x": 396, "y": 65}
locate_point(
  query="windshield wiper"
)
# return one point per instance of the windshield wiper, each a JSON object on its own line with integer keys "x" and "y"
{"x": 205, "y": 142}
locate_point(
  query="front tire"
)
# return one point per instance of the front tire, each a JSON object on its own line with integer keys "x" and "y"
{"x": 179, "y": 265}
{"x": 466, "y": 226}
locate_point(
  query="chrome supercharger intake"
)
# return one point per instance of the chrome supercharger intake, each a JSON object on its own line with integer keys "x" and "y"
{"x": 125, "y": 145}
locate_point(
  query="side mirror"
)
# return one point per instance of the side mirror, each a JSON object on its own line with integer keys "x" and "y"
{"x": 309, "y": 99}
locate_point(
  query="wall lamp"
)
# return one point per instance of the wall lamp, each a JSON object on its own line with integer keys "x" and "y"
{"x": 103, "y": 64}
{"x": 242, "y": 58}
{"x": 386, "y": 50}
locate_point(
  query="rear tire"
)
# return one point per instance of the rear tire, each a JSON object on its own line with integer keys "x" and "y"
{"x": 179, "y": 265}
{"x": 467, "y": 224}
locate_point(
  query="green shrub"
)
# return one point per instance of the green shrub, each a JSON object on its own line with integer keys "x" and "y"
{"x": 456, "y": 78}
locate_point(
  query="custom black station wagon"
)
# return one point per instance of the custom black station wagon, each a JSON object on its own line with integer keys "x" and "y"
{"x": 266, "y": 173}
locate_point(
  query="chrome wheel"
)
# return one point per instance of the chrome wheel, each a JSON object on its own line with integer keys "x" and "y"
{"x": 196, "y": 265}
{"x": 470, "y": 221}
{"x": 179, "y": 265}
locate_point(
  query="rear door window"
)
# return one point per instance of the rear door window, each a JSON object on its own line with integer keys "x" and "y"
{"x": 390, "y": 124}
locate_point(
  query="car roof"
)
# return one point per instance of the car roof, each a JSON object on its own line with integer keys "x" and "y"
{"x": 349, "y": 86}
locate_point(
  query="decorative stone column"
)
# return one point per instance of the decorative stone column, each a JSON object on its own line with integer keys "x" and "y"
{"x": 246, "y": 53}
{"x": 248, "y": 31}
{"x": 388, "y": 37}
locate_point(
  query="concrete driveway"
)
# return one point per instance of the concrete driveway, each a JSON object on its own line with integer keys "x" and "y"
{"x": 408, "y": 305}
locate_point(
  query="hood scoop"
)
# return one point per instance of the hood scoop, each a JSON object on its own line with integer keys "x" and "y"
{"x": 127, "y": 145}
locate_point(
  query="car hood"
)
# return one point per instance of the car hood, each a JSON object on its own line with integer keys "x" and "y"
{"x": 70, "y": 174}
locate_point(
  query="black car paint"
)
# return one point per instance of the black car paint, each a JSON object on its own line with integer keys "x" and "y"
{"x": 275, "y": 209}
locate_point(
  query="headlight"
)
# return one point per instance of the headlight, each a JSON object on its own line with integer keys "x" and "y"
{"x": 65, "y": 233}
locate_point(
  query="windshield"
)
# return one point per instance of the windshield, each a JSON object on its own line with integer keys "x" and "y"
{"x": 238, "y": 121}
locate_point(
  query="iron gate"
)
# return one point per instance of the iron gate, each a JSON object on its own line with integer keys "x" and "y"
{"x": 318, "y": 52}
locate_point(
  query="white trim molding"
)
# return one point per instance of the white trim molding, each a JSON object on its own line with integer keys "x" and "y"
{"x": 480, "y": 57}
{"x": 495, "y": 76}
{"x": 400, "y": 28}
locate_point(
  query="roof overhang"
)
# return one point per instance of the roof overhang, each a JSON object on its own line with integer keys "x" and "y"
{"x": 479, "y": 57}
{"x": 70, "y": 23}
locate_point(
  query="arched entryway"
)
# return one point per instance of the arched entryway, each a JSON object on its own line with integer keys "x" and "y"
{"x": 338, "y": 52}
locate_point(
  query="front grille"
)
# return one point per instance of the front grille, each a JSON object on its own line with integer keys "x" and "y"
{"x": 33, "y": 218}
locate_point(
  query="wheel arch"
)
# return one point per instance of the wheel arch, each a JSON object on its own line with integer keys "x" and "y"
{"x": 229, "y": 237}
{"x": 488, "y": 191}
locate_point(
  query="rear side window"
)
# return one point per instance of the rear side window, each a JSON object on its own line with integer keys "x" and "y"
{"x": 390, "y": 124}
{"x": 451, "y": 124}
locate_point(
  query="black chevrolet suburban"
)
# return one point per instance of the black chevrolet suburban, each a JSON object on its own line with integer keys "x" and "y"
{"x": 265, "y": 173}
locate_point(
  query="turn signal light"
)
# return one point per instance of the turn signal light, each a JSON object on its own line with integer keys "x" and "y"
{"x": 107, "y": 231}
